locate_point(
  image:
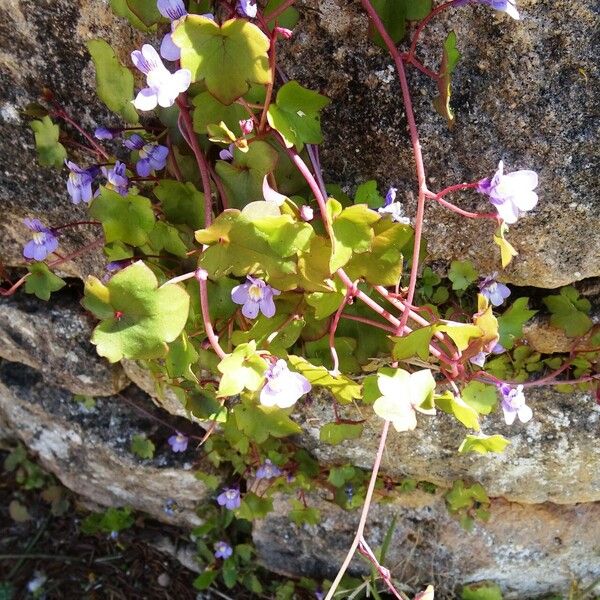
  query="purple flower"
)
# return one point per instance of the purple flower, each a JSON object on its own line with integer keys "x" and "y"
{"x": 178, "y": 442}
{"x": 79, "y": 183}
{"x": 170, "y": 507}
{"x": 229, "y": 498}
{"x": 227, "y": 153}
{"x": 163, "y": 86}
{"x": 116, "y": 178}
{"x": 283, "y": 387}
{"x": 255, "y": 295}
{"x": 103, "y": 133}
{"x": 507, "y": 6}
{"x": 493, "y": 290}
{"x": 223, "y": 550}
{"x": 513, "y": 404}
{"x": 152, "y": 156}
{"x": 479, "y": 359}
{"x": 172, "y": 10}
{"x": 44, "y": 240}
{"x": 390, "y": 196}
{"x": 247, "y": 8}
{"x": 268, "y": 470}
{"x": 511, "y": 194}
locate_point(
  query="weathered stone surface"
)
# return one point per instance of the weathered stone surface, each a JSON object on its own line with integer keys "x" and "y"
{"x": 54, "y": 338}
{"x": 553, "y": 458}
{"x": 44, "y": 45}
{"x": 545, "y": 338}
{"x": 521, "y": 92}
{"x": 527, "y": 550}
{"x": 88, "y": 450}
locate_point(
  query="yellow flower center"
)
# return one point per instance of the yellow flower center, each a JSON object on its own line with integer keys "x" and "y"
{"x": 255, "y": 292}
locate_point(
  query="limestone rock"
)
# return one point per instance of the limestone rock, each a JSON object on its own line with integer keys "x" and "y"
{"x": 545, "y": 338}
{"x": 88, "y": 450}
{"x": 526, "y": 550}
{"x": 54, "y": 338}
{"x": 521, "y": 93}
{"x": 553, "y": 458}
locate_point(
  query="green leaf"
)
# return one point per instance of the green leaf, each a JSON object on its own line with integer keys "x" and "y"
{"x": 229, "y": 572}
{"x": 208, "y": 110}
{"x": 113, "y": 519}
{"x": 138, "y": 317}
{"x": 367, "y": 193}
{"x": 181, "y": 203}
{"x": 510, "y": 324}
{"x": 254, "y": 507}
{"x": 461, "y": 497}
{"x": 288, "y": 18}
{"x": 121, "y": 8}
{"x": 383, "y": 264}
{"x": 326, "y": 303}
{"x": 569, "y": 312}
{"x": 142, "y": 446}
{"x": 243, "y": 177}
{"x": 343, "y": 389}
{"x": 482, "y": 397}
{"x": 51, "y": 153}
{"x": 41, "y": 281}
{"x": 394, "y": 14}
{"x": 339, "y": 475}
{"x": 145, "y": 10}
{"x": 295, "y": 114}
{"x": 259, "y": 422}
{"x": 483, "y": 444}
{"x": 352, "y": 231}
{"x": 415, "y": 343}
{"x": 18, "y": 512}
{"x": 166, "y": 237}
{"x": 486, "y": 591}
{"x": 462, "y": 274}
{"x": 88, "y": 402}
{"x": 181, "y": 358}
{"x": 243, "y": 369}
{"x": 455, "y": 405}
{"x": 336, "y": 433}
{"x": 238, "y": 247}
{"x": 301, "y": 515}
{"x": 450, "y": 58}
{"x": 114, "y": 82}
{"x": 286, "y": 236}
{"x": 227, "y": 57}
{"x": 127, "y": 219}
{"x": 205, "y": 580}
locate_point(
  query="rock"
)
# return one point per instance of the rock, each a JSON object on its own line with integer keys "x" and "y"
{"x": 88, "y": 450}
{"x": 545, "y": 338}
{"x": 527, "y": 550}
{"x": 54, "y": 338}
{"x": 512, "y": 102}
{"x": 553, "y": 458}
{"x": 39, "y": 54}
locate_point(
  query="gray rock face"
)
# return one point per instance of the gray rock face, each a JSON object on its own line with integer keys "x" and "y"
{"x": 54, "y": 338}
{"x": 553, "y": 458}
{"x": 527, "y": 550}
{"x": 522, "y": 92}
{"x": 88, "y": 450}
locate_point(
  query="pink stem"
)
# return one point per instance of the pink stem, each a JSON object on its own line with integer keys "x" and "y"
{"x": 279, "y": 10}
{"x": 201, "y": 276}
{"x": 422, "y": 24}
{"x": 65, "y": 117}
{"x": 190, "y": 137}
{"x": 10, "y": 291}
{"x": 369, "y": 322}
{"x": 364, "y": 513}
{"x": 334, "y": 324}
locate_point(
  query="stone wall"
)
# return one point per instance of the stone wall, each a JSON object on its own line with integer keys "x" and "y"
{"x": 524, "y": 92}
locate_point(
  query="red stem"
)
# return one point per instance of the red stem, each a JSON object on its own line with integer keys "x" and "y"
{"x": 210, "y": 332}
{"x": 279, "y": 10}
{"x": 422, "y": 24}
{"x": 10, "y": 291}
{"x": 65, "y": 117}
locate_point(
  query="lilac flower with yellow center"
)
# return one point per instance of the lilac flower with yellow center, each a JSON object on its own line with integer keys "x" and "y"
{"x": 116, "y": 179}
{"x": 512, "y": 194}
{"x": 493, "y": 290}
{"x": 255, "y": 295}
{"x": 229, "y": 498}
{"x": 283, "y": 387}
{"x": 44, "y": 240}
{"x": 178, "y": 442}
{"x": 513, "y": 404}
{"x": 163, "y": 86}
{"x": 268, "y": 470}
{"x": 79, "y": 183}
{"x": 151, "y": 156}
{"x": 223, "y": 550}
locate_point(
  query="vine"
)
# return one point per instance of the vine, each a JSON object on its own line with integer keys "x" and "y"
{"x": 242, "y": 283}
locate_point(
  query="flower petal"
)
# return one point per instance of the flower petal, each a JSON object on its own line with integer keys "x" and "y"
{"x": 250, "y": 309}
{"x": 168, "y": 49}
{"x": 146, "y": 99}
{"x": 239, "y": 294}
